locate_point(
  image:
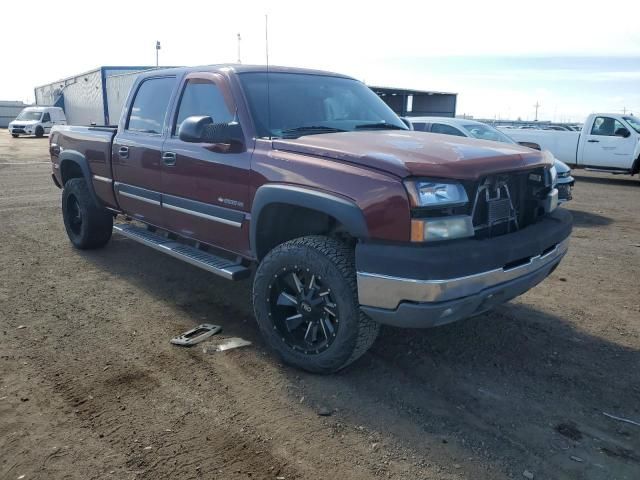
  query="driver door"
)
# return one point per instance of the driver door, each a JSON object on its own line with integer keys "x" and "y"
{"x": 603, "y": 148}
{"x": 205, "y": 187}
{"x": 46, "y": 122}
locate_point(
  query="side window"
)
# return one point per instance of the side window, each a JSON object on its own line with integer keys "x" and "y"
{"x": 419, "y": 126}
{"x": 202, "y": 98}
{"x": 606, "y": 126}
{"x": 46, "y": 117}
{"x": 150, "y": 105}
{"x": 446, "y": 129}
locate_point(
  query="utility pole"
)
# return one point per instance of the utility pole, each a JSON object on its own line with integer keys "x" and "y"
{"x": 537, "y": 105}
{"x": 624, "y": 110}
{"x": 239, "y": 39}
{"x": 157, "y": 50}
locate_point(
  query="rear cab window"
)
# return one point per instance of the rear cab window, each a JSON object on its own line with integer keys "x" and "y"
{"x": 150, "y": 104}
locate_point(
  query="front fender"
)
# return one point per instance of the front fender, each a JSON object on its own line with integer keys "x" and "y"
{"x": 343, "y": 210}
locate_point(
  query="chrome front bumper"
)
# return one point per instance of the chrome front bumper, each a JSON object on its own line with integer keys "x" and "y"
{"x": 386, "y": 292}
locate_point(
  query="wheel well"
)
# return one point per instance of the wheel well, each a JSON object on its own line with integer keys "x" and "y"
{"x": 280, "y": 222}
{"x": 69, "y": 170}
{"x": 636, "y": 166}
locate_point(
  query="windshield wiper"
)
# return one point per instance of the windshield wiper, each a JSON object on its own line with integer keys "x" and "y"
{"x": 380, "y": 125}
{"x": 309, "y": 130}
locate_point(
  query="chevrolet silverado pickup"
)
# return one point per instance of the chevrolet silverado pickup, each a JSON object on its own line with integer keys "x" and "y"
{"x": 309, "y": 182}
{"x": 608, "y": 142}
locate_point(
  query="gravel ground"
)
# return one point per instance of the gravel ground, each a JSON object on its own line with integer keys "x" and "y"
{"x": 90, "y": 387}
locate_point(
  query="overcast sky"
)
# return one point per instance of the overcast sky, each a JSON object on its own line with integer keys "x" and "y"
{"x": 500, "y": 57}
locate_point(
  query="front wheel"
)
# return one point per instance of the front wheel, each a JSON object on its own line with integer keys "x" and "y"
{"x": 88, "y": 225}
{"x": 14, "y": 135}
{"x": 39, "y": 132}
{"x": 306, "y": 304}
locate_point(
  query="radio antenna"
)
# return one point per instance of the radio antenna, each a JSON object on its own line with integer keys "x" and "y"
{"x": 266, "y": 41}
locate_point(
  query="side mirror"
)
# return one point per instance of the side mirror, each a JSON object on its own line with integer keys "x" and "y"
{"x": 407, "y": 122}
{"x": 622, "y": 132}
{"x": 201, "y": 129}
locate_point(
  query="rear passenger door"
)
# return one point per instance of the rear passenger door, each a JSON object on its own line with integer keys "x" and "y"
{"x": 137, "y": 151}
{"x": 205, "y": 192}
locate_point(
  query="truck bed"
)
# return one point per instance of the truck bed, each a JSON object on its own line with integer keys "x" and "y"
{"x": 563, "y": 145}
{"x": 93, "y": 143}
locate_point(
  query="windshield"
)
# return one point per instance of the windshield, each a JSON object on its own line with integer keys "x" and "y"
{"x": 302, "y": 104}
{"x": 485, "y": 132}
{"x": 634, "y": 122}
{"x": 29, "y": 115}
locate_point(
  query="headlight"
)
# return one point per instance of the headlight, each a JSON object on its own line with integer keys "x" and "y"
{"x": 554, "y": 176}
{"x": 430, "y": 193}
{"x": 441, "y": 228}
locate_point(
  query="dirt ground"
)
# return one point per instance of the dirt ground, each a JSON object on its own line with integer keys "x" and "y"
{"x": 90, "y": 387}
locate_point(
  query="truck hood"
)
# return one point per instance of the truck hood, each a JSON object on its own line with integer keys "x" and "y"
{"x": 409, "y": 153}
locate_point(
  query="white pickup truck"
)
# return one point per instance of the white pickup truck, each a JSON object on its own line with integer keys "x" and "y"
{"x": 608, "y": 142}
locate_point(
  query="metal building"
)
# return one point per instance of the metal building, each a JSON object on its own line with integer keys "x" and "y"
{"x": 418, "y": 103}
{"x": 9, "y": 111}
{"x": 86, "y": 98}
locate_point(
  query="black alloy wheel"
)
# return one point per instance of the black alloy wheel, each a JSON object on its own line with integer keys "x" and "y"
{"x": 303, "y": 310}
{"x": 305, "y": 298}
{"x": 74, "y": 214}
{"x": 88, "y": 225}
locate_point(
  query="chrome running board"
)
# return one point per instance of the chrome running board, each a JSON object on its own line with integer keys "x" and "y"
{"x": 205, "y": 260}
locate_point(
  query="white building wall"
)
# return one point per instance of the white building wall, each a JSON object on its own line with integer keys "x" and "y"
{"x": 83, "y": 102}
{"x": 118, "y": 87}
{"x": 9, "y": 111}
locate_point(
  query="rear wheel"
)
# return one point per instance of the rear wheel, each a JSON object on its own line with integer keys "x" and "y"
{"x": 88, "y": 225}
{"x": 306, "y": 304}
{"x": 39, "y": 132}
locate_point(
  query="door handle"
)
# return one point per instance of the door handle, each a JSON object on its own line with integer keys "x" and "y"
{"x": 593, "y": 141}
{"x": 123, "y": 151}
{"x": 169, "y": 158}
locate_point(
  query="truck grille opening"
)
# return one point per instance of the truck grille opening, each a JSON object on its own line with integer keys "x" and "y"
{"x": 507, "y": 202}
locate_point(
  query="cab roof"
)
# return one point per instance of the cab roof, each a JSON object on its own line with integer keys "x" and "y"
{"x": 237, "y": 68}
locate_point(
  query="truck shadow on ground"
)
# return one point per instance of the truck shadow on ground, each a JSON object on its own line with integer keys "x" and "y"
{"x": 609, "y": 179}
{"x": 517, "y": 386}
{"x": 588, "y": 219}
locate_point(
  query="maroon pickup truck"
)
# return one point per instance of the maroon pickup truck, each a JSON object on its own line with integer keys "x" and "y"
{"x": 348, "y": 219}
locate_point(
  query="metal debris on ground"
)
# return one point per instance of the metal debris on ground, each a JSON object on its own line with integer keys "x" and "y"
{"x": 196, "y": 335}
{"x": 230, "y": 343}
{"x": 20, "y": 327}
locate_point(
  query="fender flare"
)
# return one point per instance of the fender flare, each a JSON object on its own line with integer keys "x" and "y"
{"x": 80, "y": 160}
{"x": 343, "y": 210}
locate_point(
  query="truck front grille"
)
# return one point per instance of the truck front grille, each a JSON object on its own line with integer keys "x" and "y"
{"x": 506, "y": 202}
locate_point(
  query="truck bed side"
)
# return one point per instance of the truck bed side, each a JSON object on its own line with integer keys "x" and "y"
{"x": 86, "y": 152}
{"x": 563, "y": 145}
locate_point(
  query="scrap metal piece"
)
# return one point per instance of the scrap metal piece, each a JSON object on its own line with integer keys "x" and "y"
{"x": 196, "y": 335}
{"x": 228, "y": 344}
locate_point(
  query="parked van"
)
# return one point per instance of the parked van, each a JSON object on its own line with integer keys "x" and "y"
{"x": 37, "y": 121}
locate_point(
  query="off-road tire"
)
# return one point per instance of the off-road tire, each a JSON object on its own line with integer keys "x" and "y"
{"x": 95, "y": 222}
{"x": 334, "y": 261}
{"x": 39, "y": 132}
{"x": 14, "y": 135}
